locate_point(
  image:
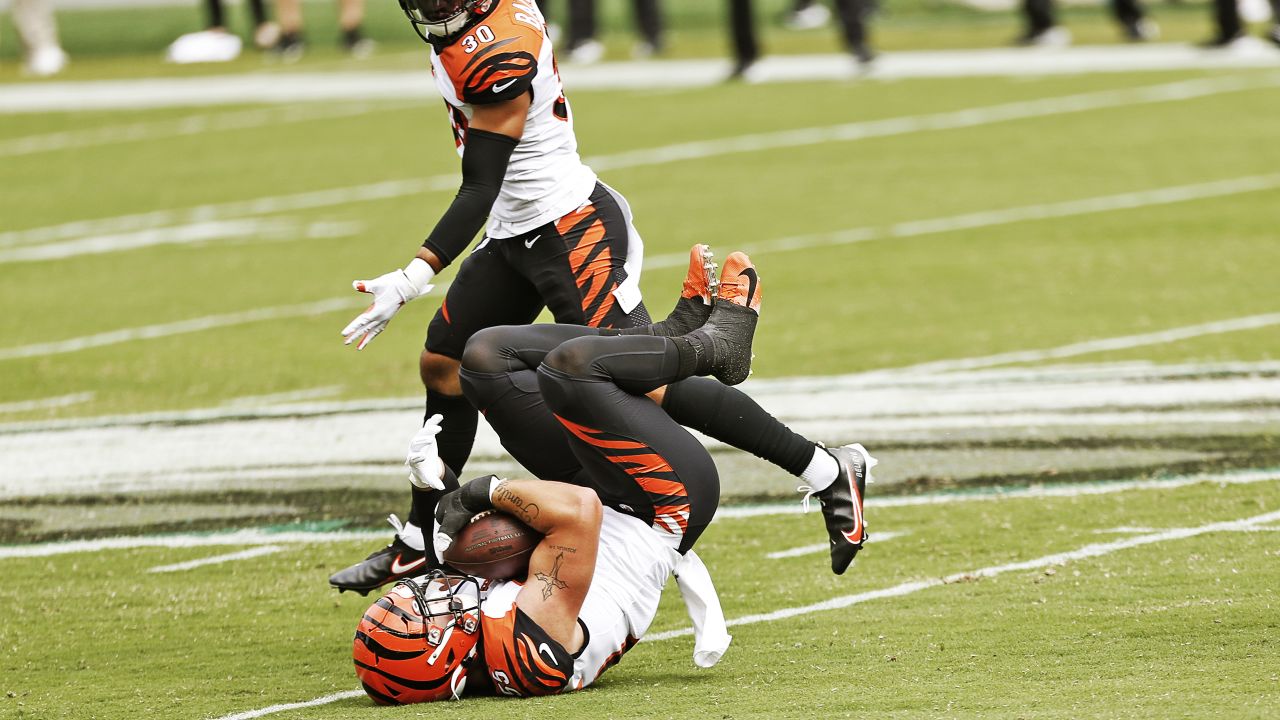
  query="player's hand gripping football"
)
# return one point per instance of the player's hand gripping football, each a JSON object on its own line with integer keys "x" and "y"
{"x": 390, "y": 293}
{"x": 456, "y": 509}
{"x": 426, "y": 470}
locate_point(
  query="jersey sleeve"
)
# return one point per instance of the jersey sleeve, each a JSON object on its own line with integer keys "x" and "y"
{"x": 495, "y": 71}
{"x": 522, "y": 659}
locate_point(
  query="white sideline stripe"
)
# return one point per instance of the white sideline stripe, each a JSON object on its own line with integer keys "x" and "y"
{"x": 218, "y": 559}
{"x": 1125, "y": 201}
{"x": 200, "y": 324}
{"x": 1246, "y": 477}
{"x": 971, "y": 117}
{"x": 190, "y": 125}
{"x": 1124, "y": 342}
{"x": 46, "y": 403}
{"x": 238, "y": 537}
{"x": 260, "y": 537}
{"x": 876, "y": 537}
{"x": 907, "y": 588}
{"x": 250, "y": 714}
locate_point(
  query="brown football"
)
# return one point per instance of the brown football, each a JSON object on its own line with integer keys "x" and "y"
{"x": 493, "y": 545}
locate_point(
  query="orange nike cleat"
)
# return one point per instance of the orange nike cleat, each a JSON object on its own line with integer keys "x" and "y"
{"x": 739, "y": 282}
{"x": 700, "y": 281}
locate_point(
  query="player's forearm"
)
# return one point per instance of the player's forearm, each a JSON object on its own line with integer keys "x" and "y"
{"x": 484, "y": 164}
{"x": 549, "y": 507}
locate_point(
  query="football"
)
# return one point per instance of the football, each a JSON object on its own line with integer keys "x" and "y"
{"x": 493, "y": 545}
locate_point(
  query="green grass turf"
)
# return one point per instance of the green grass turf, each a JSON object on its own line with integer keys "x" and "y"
{"x": 970, "y": 292}
{"x": 1184, "y": 628}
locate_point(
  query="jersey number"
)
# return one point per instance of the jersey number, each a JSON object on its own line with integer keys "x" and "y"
{"x": 482, "y": 34}
{"x": 503, "y": 683}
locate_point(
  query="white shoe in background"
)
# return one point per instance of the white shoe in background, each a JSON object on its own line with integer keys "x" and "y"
{"x": 206, "y": 46}
{"x": 46, "y": 61}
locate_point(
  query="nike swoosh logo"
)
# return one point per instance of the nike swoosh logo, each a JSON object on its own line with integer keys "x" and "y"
{"x": 546, "y": 650}
{"x": 529, "y": 243}
{"x": 397, "y": 568}
{"x": 752, "y": 278}
{"x": 855, "y": 535}
{"x": 499, "y": 87}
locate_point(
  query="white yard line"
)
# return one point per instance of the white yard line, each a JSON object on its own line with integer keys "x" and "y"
{"x": 218, "y": 559}
{"x": 46, "y": 403}
{"x": 189, "y": 125}
{"x": 347, "y": 86}
{"x": 252, "y": 401}
{"x": 907, "y": 588}
{"x": 1125, "y": 201}
{"x": 253, "y": 537}
{"x": 756, "y": 142}
{"x": 875, "y": 537}
{"x": 181, "y": 327}
{"x": 900, "y": 590}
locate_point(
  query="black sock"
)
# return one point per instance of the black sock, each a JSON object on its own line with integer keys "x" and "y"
{"x": 424, "y": 507}
{"x": 695, "y": 354}
{"x": 457, "y": 429}
{"x": 731, "y": 416}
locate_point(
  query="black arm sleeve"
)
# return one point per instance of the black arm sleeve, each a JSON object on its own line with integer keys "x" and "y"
{"x": 484, "y": 163}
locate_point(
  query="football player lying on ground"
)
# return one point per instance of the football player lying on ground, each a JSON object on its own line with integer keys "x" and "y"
{"x": 502, "y": 384}
{"x": 554, "y": 237}
{"x": 582, "y": 397}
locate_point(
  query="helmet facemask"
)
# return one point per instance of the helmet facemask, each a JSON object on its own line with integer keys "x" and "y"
{"x": 440, "y": 18}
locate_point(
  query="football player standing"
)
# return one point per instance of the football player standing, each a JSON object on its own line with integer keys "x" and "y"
{"x": 555, "y": 237}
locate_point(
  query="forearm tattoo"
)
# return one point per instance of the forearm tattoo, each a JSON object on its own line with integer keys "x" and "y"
{"x": 515, "y": 504}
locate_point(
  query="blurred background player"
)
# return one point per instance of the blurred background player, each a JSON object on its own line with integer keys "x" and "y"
{"x": 1043, "y": 29}
{"x": 38, "y": 31}
{"x": 1230, "y": 26}
{"x": 854, "y": 16}
{"x": 215, "y": 43}
{"x": 580, "y": 39}
{"x": 350, "y": 20}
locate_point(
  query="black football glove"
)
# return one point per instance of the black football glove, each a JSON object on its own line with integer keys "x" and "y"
{"x": 456, "y": 509}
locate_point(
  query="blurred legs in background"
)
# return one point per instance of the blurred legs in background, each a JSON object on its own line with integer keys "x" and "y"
{"x": 1043, "y": 29}
{"x": 215, "y": 43}
{"x": 581, "y": 43}
{"x": 1226, "y": 14}
{"x": 350, "y": 19}
{"x": 38, "y": 31}
{"x": 854, "y": 16}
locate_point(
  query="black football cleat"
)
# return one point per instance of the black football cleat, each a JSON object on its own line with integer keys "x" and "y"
{"x": 387, "y": 565}
{"x": 842, "y": 504}
{"x": 727, "y": 335}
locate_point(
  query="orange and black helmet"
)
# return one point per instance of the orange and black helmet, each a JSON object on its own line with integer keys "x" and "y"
{"x": 416, "y": 642}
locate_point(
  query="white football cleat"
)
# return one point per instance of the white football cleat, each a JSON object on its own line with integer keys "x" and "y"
{"x": 206, "y": 46}
{"x": 46, "y": 61}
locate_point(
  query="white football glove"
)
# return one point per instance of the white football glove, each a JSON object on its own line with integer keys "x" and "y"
{"x": 390, "y": 293}
{"x": 426, "y": 470}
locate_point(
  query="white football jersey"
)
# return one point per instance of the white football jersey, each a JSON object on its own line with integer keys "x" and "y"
{"x": 632, "y": 567}
{"x": 502, "y": 56}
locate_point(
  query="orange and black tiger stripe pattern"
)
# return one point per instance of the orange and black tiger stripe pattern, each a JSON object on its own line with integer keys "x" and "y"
{"x": 497, "y": 59}
{"x": 649, "y": 470}
{"x": 390, "y": 651}
{"x": 522, "y": 658}
{"x": 592, "y": 261}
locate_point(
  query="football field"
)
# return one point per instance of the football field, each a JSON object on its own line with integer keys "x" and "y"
{"x": 1047, "y": 303}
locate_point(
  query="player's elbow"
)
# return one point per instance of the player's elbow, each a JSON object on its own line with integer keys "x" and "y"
{"x": 583, "y": 508}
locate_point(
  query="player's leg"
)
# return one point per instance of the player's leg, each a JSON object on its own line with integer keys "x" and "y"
{"x": 633, "y": 454}
{"x": 499, "y": 378}
{"x": 484, "y": 292}
{"x": 586, "y": 265}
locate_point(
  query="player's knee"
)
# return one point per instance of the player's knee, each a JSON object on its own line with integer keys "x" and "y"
{"x": 439, "y": 373}
{"x": 484, "y": 352}
{"x": 576, "y": 357}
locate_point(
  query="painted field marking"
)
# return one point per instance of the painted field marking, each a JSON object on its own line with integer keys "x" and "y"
{"x": 755, "y": 142}
{"x": 876, "y": 537}
{"x": 46, "y": 403}
{"x": 260, "y": 537}
{"x": 218, "y": 559}
{"x": 1147, "y": 198}
{"x": 293, "y": 396}
{"x": 907, "y": 588}
{"x": 189, "y": 125}
{"x": 181, "y": 327}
